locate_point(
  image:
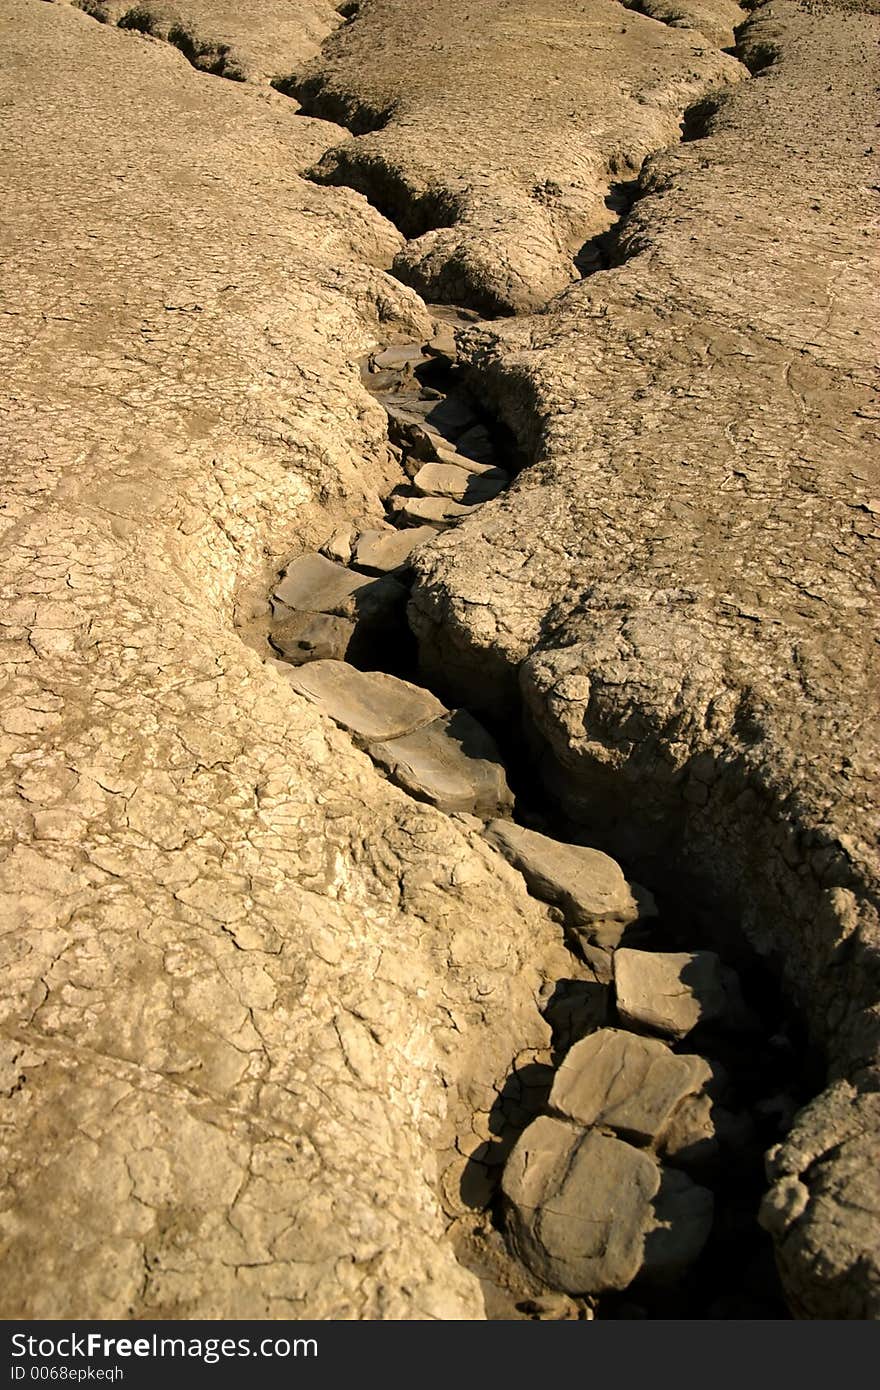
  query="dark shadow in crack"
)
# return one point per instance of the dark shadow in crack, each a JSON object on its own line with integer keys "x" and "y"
{"x": 318, "y": 100}
{"x": 216, "y": 59}
{"x": 522, "y": 1097}
{"x": 601, "y": 252}
{"x": 696, "y": 123}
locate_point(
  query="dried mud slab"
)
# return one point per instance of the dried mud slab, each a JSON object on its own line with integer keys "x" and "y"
{"x": 681, "y": 587}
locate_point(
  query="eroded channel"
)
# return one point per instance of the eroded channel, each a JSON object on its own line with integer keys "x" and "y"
{"x": 620, "y": 1173}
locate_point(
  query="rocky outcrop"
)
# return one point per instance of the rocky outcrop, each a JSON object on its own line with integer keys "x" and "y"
{"x": 678, "y": 588}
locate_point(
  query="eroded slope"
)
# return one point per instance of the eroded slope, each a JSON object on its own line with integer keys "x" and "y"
{"x": 246, "y": 43}
{"x": 492, "y": 134}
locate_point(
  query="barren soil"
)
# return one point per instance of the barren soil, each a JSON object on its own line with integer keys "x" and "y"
{"x": 280, "y": 998}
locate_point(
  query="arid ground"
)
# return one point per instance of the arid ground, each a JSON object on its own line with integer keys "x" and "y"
{"x": 439, "y": 513}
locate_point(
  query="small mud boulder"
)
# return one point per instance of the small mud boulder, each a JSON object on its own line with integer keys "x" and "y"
{"x": 635, "y": 1086}
{"x": 668, "y": 992}
{"x": 588, "y": 1213}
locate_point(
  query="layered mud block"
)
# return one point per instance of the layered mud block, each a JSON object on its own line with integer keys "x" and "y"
{"x": 669, "y": 991}
{"x": 461, "y": 484}
{"x": 303, "y": 637}
{"x": 466, "y": 461}
{"x": 438, "y": 512}
{"x": 368, "y": 704}
{"x": 589, "y": 887}
{"x": 398, "y": 357}
{"x": 384, "y": 552}
{"x": 425, "y": 425}
{"x": 632, "y": 1085}
{"x": 454, "y": 763}
{"x": 375, "y": 609}
{"x": 587, "y": 1212}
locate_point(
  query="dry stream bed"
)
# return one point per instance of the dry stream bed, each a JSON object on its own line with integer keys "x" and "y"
{"x": 621, "y": 1172}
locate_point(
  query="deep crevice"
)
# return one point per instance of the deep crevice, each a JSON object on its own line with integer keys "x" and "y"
{"x": 320, "y": 101}
{"x": 603, "y": 251}
{"x": 760, "y": 1062}
{"x": 215, "y": 59}
{"x": 772, "y": 1072}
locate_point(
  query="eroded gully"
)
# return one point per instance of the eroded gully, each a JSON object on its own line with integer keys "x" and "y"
{"x": 674, "y": 1061}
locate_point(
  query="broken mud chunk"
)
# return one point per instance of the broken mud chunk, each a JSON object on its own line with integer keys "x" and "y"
{"x": 314, "y": 584}
{"x": 453, "y": 763}
{"x": 668, "y": 992}
{"x": 338, "y": 548}
{"x": 451, "y": 416}
{"x": 442, "y": 345}
{"x": 384, "y": 552}
{"x": 588, "y": 1213}
{"x": 632, "y": 1085}
{"x": 438, "y": 512}
{"x": 398, "y": 356}
{"x": 574, "y": 1008}
{"x": 303, "y": 637}
{"x": 682, "y": 1221}
{"x": 596, "y": 900}
{"x": 368, "y": 704}
{"x": 376, "y": 607}
{"x": 690, "y": 1138}
{"x": 476, "y": 443}
{"x": 447, "y": 480}
{"x": 447, "y": 454}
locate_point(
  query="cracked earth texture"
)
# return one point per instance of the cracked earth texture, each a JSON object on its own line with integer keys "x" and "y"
{"x": 682, "y": 585}
{"x": 502, "y": 132}
{"x": 246, "y": 43}
{"x": 247, "y": 982}
{"x": 257, "y": 997}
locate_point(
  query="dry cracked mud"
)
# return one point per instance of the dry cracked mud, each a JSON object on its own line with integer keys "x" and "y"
{"x": 439, "y": 748}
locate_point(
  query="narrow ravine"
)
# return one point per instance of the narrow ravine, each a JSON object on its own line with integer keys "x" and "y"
{"x": 675, "y": 1062}
{"x": 659, "y": 996}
